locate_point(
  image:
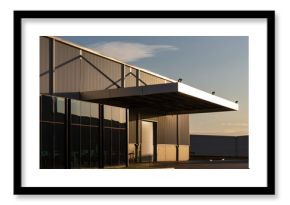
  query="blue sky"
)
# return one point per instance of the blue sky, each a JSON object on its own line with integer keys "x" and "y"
{"x": 210, "y": 63}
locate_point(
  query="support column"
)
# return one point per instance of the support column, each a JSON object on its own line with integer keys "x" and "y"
{"x": 137, "y": 77}
{"x": 67, "y": 132}
{"x": 127, "y": 139}
{"x": 51, "y": 66}
{"x": 177, "y": 138}
{"x": 123, "y": 76}
{"x": 101, "y": 136}
{"x": 138, "y": 138}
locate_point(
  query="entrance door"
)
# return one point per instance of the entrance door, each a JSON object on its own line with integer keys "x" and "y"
{"x": 147, "y": 141}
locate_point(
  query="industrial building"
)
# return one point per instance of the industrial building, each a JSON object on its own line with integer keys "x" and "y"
{"x": 99, "y": 112}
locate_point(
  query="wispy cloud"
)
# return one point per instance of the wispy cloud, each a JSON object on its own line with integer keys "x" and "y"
{"x": 129, "y": 52}
{"x": 225, "y": 132}
{"x": 235, "y": 124}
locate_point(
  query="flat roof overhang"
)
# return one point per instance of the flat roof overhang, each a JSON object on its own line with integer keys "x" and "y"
{"x": 170, "y": 98}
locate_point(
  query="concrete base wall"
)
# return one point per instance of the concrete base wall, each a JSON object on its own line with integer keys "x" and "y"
{"x": 166, "y": 152}
{"x": 183, "y": 154}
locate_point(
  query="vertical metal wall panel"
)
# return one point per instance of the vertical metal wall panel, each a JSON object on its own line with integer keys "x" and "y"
{"x": 44, "y": 65}
{"x": 99, "y": 73}
{"x": 130, "y": 80}
{"x": 184, "y": 138}
{"x": 44, "y": 54}
{"x": 44, "y": 84}
{"x": 149, "y": 79}
{"x": 132, "y": 127}
{"x": 166, "y": 130}
{"x": 67, "y": 68}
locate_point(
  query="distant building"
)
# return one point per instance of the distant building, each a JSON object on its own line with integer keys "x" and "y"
{"x": 216, "y": 145}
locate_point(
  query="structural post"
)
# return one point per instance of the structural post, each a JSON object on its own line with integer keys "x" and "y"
{"x": 51, "y": 66}
{"x": 138, "y": 138}
{"x": 137, "y": 77}
{"x": 67, "y": 132}
{"x": 123, "y": 76}
{"x": 177, "y": 138}
{"x": 101, "y": 136}
{"x": 127, "y": 139}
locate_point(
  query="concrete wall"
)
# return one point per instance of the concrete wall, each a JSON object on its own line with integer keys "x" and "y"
{"x": 183, "y": 153}
{"x": 166, "y": 152}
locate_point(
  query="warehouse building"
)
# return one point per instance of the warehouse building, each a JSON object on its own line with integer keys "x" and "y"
{"x": 96, "y": 111}
{"x": 219, "y": 146}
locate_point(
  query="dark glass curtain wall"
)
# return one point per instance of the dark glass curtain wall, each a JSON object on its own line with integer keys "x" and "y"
{"x": 52, "y": 140}
{"x": 115, "y": 136}
{"x": 71, "y": 136}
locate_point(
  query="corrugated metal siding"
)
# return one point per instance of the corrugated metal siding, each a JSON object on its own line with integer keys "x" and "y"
{"x": 149, "y": 79}
{"x": 130, "y": 80}
{"x": 44, "y": 84}
{"x": 166, "y": 130}
{"x": 183, "y": 123}
{"x": 67, "y": 68}
{"x": 44, "y": 54}
{"x": 44, "y": 65}
{"x": 74, "y": 74}
{"x": 92, "y": 79}
{"x": 132, "y": 127}
{"x": 93, "y": 72}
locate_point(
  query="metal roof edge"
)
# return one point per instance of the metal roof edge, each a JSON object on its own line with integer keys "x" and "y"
{"x": 186, "y": 89}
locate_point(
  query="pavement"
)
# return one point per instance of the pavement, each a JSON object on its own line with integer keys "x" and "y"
{"x": 194, "y": 164}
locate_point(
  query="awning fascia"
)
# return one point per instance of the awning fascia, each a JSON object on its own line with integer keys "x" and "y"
{"x": 212, "y": 103}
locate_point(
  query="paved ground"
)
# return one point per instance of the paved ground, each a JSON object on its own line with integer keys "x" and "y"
{"x": 193, "y": 164}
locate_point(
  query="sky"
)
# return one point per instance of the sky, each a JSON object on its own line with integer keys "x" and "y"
{"x": 209, "y": 63}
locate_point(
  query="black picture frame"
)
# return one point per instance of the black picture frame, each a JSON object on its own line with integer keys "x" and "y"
{"x": 269, "y": 189}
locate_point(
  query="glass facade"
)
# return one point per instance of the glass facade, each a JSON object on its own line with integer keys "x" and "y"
{"x": 85, "y": 132}
{"x": 52, "y": 128}
{"x": 77, "y": 135}
{"x": 115, "y": 144}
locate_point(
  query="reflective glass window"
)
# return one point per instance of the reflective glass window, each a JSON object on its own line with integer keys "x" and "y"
{"x": 85, "y": 146}
{"x": 94, "y": 114}
{"x": 107, "y": 146}
{"x": 123, "y": 118}
{"x": 59, "y": 146}
{"x": 85, "y": 113}
{"x": 75, "y": 146}
{"x": 60, "y": 110}
{"x": 46, "y": 146}
{"x": 115, "y": 117}
{"x": 115, "y": 146}
{"x": 107, "y": 116}
{"x": 123, "y": 146}
{"x": 94, "y": 147}
{"x": 47, "y": 108}
{"x": 75, "y": 111}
